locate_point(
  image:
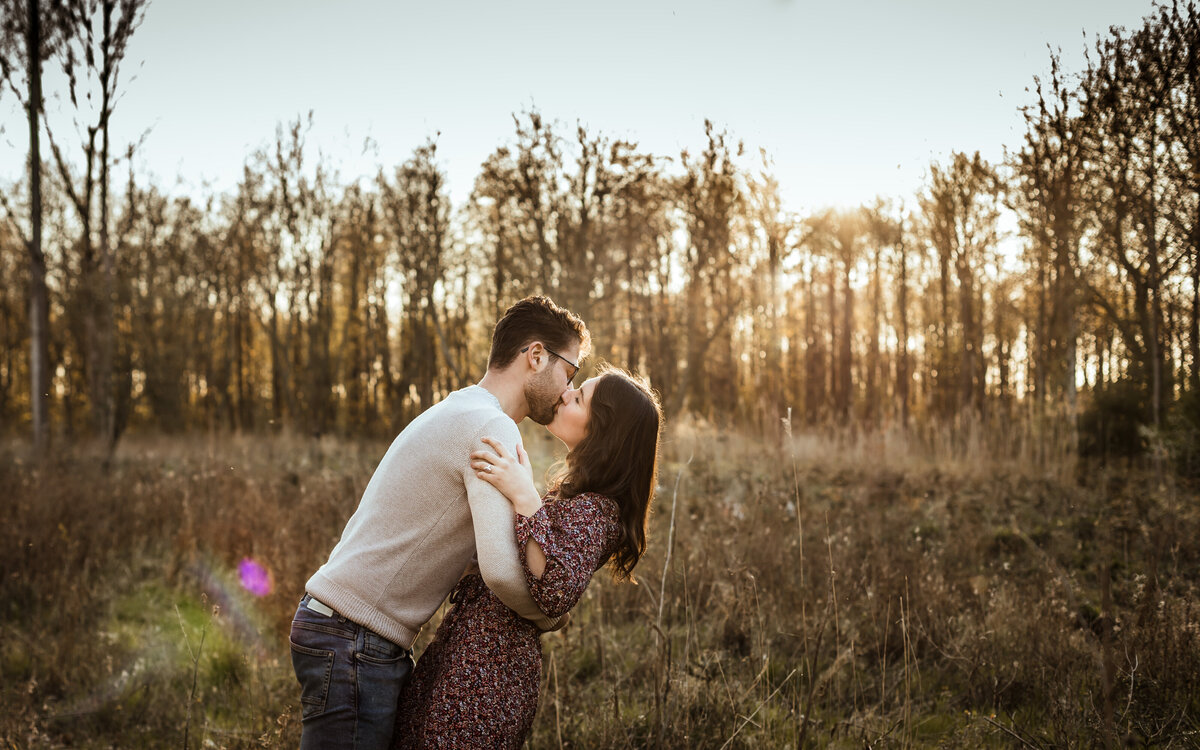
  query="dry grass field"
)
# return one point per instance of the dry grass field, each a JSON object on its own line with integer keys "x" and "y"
{"x": 838, "y": 590}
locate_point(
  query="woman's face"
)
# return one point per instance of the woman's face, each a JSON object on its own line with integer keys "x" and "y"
{"x": 570, "y": 421}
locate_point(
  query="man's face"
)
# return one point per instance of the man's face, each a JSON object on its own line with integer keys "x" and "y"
{"x": 544, "y": 389}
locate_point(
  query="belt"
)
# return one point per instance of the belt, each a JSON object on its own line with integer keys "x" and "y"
{"x": 316, "y": 605}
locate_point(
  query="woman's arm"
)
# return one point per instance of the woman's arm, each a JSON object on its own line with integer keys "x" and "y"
{"x": 535, "y": 558}
{"x": 572, "y": 538}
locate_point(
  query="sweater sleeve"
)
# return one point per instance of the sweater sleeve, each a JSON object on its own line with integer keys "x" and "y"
{"x": 576, "y": 535}
{"x": 492, "y": 517}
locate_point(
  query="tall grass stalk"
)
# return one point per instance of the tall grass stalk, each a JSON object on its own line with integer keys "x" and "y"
{"x": 663, "y": 678}
{"x": 747, "y": 719}
{"x": 195, "y": 656}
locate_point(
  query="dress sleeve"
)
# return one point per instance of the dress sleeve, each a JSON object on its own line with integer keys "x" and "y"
{"x": 577, "y": 536}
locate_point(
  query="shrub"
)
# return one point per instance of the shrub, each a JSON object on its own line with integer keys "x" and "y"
{"x": 1183, "y": 434}
{"x": 1110, "y": 427}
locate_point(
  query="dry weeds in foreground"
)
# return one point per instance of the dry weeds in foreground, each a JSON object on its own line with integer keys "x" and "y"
{"x": 842, "y": 590}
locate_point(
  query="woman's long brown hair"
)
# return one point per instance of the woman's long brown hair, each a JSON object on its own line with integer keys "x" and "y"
{"x": 618, "y": 458}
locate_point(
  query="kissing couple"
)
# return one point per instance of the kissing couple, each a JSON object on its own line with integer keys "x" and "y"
{"x": 452, "y": 510}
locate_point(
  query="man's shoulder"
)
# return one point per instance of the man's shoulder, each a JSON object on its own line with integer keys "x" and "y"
{"x": 466, "y": 413}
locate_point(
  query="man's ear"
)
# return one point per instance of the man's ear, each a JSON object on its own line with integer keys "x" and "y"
{"x": 535, "y": 353}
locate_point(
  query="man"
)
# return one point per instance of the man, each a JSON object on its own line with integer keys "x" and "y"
{"x": 421, "y": 518}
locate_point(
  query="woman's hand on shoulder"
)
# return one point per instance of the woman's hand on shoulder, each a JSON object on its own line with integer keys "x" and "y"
{"x": 510, "y": 473}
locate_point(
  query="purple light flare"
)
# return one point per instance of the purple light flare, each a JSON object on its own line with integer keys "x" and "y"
{"x": 255, "y": 578}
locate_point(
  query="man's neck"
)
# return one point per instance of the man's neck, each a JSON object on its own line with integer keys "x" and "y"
{"x": 509, "y": 391}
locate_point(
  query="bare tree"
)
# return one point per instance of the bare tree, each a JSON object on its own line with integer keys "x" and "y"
{"x": 1178, "y": 54}
{"x": 417, "y": 209}
{"x": 819, "y": 342}
{"x": 1046, "y": 195}
{"x": 29, "y": 36}
{"x": 961, "y": 210}
{"x": 710, "y": 200}
{"x": 776, "y": 230}
{"x": 837, "y": 236}
{"x": 97, "y": 34}
{"x": 885, "y": 231}
{"x": 1127, "y": 93}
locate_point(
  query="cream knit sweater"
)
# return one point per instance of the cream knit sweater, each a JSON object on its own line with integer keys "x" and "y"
{"x": 423, "y": 514}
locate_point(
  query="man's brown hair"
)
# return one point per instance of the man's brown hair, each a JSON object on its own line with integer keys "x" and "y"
{"x": 536, "y": 318}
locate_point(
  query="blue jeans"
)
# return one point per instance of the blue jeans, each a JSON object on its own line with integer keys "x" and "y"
{"x": 350, "y": 681}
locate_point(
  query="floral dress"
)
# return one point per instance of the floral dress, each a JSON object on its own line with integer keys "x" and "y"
{"x": 476, "y": 685}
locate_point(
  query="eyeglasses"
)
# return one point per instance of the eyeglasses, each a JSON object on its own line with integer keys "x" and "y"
{"x": 574, "y": 367}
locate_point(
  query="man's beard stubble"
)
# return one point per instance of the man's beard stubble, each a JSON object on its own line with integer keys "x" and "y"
{"x": 543, "y": 397}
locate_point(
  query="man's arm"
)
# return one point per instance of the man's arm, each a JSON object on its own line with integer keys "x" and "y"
{"x": 493, "y": 518}
{"x": 496, "y": 549}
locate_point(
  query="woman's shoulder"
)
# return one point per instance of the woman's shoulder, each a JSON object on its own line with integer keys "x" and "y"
{"x": 591, "y": 513}
{"x": 597, "y": 502}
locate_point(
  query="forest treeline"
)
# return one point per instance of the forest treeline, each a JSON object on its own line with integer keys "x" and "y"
{"x": 1058, "y": 287}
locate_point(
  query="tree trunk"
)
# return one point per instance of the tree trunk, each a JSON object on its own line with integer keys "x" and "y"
{"x": 813, "y": 373}
{"x": 902, "y": 370}
{"x": 943, "y": 329}
{"x": 1001, "y": 357}
{"x": 845, "y": 388}
{"x": 692, "y": 388}
{"x": 966, "y": 291}
{"x": 106, "y": 370}
{"x": 277, "y": 379}
{"x": 834, "y": 387}
{"x": 244, "y": 403}
{"x": 39, "y": 304}
{"x": 1194, "y": 332}
{"x": 772, "y": 395}
{"x": 873, "y": 355}
{"x": 1154, "y": 281}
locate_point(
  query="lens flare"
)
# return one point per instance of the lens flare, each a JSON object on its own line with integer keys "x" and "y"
{"x": 254, "y": 577}
{"x": 234, "y": 594}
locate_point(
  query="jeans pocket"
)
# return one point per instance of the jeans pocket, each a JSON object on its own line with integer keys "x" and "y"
{"x": 378, "y": 683}
{"x": 379, "y": 650}
{"x": 313, "y": 668}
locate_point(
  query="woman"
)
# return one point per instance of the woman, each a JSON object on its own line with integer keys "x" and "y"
{"x": 477, "y": 683}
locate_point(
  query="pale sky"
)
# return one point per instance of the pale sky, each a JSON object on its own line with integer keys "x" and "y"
{"x": 851, "y": 100}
